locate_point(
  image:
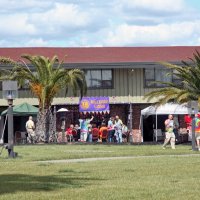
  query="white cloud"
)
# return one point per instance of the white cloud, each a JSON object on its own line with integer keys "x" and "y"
{"x": 22, "y": 5}
{"x": 148, "y": 12}
{"x": 26, "y": 42}
{"x": 62, "y": 15}
{"x": 98, "y": 23}
{"x": 38, "y": 42}
{"x": 169, "y": 6}
{"x": 61, "y": 20}
{"x": 15, "y": 25}
{"x": 174, "y": 34}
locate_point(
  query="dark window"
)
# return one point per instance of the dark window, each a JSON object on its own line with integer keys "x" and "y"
{"x": 99, "y": 78}
{"x": 163, "y": 75}
{"x": 175, "y": 78}
{"x": 149, "y": 77}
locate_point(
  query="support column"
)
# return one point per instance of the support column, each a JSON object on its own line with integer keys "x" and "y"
{"x": 10, "y": 132}
{"x": 193, "y": 134}
{"x": 131, "y": 123}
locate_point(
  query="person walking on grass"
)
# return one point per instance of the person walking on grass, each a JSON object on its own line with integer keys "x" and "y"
{"x": 169, "y": 133}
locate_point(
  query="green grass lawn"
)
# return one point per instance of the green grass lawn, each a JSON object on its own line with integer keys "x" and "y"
{"x": 58, "y": 152}
{"x": 135, "y": 178}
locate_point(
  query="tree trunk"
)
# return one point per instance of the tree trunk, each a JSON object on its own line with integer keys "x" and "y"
{"x": 43, "y": 125}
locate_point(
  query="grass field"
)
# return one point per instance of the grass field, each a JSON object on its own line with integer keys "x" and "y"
{"x": 149, "y": 177}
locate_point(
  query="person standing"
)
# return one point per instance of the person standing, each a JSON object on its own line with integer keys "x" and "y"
{"x": 101, "y": 130}
{"x": 111, "y": 130}
{"x": 118, "y": 129}
{"x": 89, "y": 139}
{"x": 84, "y": 128}
{"x": 124, "y": 133}
{"x": 197, "y": 131}
{"x": 69, "y": 132}
{"x": 169, "y": 133}
{"x": 188, "y": 121}
{"x": 30, "y": 127}
{"x": 77, "y": 128}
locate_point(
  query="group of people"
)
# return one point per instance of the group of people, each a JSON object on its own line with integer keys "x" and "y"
{"x": 170, "y": 127}
{"x": 115, "y": 129}
{"x": 83, "y": 132}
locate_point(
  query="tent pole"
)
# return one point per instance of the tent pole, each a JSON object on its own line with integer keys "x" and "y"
{"x": 156, "y": 127}
{"x": 3, "y": 131}
{"x": 141, "y": 126}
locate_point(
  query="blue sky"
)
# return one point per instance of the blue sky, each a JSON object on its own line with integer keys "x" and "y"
{"x": 88, "y": 23}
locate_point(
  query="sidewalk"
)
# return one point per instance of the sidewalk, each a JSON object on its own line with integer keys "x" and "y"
{"x": 113, "y": 158}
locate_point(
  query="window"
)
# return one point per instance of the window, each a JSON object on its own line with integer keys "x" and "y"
{"x": 176, "y": 79}
{"x": 99, "y": 78}
{"x": 164, "y": 75}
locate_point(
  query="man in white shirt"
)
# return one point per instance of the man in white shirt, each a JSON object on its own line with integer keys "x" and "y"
{"x": 30, "y": 127}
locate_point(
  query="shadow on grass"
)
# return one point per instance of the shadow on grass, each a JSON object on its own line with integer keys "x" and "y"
{"x": 11, "y": 183}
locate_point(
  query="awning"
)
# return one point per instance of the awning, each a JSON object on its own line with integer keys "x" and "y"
{"x": 23, "y": 110}
{"x": 166, "y": 109}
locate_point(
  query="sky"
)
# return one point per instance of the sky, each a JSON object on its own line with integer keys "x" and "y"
{"x": 99, "y": 23}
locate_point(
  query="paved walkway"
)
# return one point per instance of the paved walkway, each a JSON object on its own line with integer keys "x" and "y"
{"x": 114, "y": 158}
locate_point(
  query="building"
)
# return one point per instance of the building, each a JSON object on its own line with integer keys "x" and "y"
{"x": 124, "y": 74}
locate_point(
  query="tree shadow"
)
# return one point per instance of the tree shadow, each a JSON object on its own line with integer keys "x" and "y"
{"x": 11, "y": 183}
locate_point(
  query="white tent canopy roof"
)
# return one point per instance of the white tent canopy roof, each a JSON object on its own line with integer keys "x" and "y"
{"x": 166, "y": 109}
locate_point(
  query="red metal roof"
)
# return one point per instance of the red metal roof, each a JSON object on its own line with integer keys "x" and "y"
{"x": 107, "y": 54}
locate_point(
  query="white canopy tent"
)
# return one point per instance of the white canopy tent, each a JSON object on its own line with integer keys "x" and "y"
{"x": 169, "y": 108}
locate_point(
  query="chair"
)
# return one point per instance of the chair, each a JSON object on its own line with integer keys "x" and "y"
{"x": 69, "y": 137}
{"x": 95, "y": 134}
{"x": 18, "y": 137}
{"x": 75, "y": 135}
{"x": 125, "y": 136}
{"x": 61, "y": 138}
{"x": 105, "y": 135}
{"x": 23, "y": 137}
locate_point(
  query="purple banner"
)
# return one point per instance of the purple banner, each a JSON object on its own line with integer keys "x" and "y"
{"x": 94, "y": 104}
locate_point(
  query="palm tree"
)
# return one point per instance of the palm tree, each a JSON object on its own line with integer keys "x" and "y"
{"x": 188, "y": 88}
{"x": 46, "y": 79}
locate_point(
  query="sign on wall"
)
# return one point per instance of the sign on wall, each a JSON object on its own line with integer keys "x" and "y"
{"x": 94, "y": 104}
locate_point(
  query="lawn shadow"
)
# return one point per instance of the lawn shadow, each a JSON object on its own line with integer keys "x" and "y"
{"x": 11, "y": 183}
